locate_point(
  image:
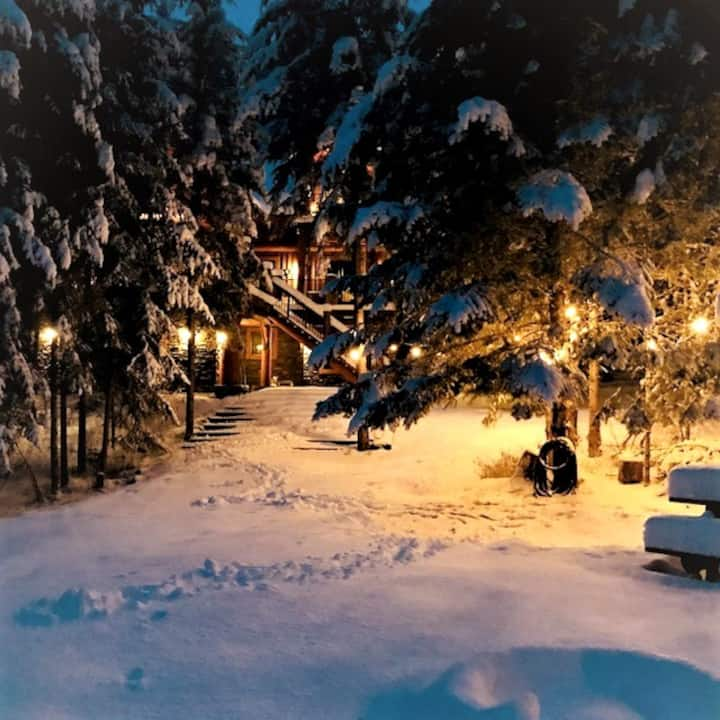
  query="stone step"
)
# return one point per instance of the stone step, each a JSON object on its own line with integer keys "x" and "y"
{"x": 215, "y": 433}
{"x": 223, "y": 420}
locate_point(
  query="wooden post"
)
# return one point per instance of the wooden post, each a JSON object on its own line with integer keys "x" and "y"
{"x": 64, "y": 463}
{"x": 54, "y": 459}
{"x": 190, "y": 390}
{"x": 594, "y": 437}
{"x": 363, "y": 438}
{"x": 268, "y": 355}
{"x": 82, "y": 432}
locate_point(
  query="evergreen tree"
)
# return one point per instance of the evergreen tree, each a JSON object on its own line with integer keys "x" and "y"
{"x": 502, "y": 172}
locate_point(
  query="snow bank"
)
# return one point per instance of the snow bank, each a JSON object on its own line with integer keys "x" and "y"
{"x": 695, "y": 482}
{"x": 691, "y": 535}
{"x": 558, "y": 196}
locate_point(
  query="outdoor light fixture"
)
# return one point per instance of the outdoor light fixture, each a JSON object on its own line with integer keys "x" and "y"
{"x": 259, "y": 348}
{"x": 571, "y": 312}
{"x": 221, "y": 338}
{"x": 48, "y": 335}
{"x": 355, "y": 354}
{"x": 700, "y": 326}
{"x": 416, "y": 352}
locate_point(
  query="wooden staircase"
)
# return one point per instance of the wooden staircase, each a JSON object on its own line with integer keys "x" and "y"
{"x": 306, "y": 321}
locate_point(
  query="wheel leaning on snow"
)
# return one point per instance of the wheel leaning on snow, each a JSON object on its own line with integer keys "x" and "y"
{"x": 697, "y": 565}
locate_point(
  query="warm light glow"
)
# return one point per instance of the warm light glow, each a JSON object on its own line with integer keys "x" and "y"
{"x": 651, "y": 345}
{"x": 546, "y": 357}
{"x": 393, "y": 348}
{"x": 184, "y": 335}
{"x": 259, "y": 348}
{"x": 517, "y": 338}
{"x": 293, "y": 270}
{"x": 221, "y": 338}
{"x": 561, "y": 354}
{"x": 571, "y": 312}
{"x": 574, "y": 337}
{"x": 415, "y": 352}
{"x": 355, "y": 354}
{"x": 700, "y": 326}
{"x": 48, "y": 335}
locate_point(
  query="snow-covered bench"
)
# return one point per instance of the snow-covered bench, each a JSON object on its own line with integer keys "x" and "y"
{"x": 696, "y": 540}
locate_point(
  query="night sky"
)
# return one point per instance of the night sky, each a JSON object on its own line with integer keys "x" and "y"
{"x": 245, "y": 12}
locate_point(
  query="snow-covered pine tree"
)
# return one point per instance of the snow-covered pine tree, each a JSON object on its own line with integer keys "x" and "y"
{"x": 55, "y": 167}
{"x": 210, "y": 203}
{"x": 305, "y": 60}
{"x": 521, "y": 142}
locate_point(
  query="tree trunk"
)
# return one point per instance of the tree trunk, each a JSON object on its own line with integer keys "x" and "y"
{"x": 190, "y": 391}
{"x": 363, "y": 438}
{"x": 54, "y": 456}
{"x": 64, "y": 465}
{"x": 113, "y": 425}
{"x": 646, "y": 457}
{"x": 594, "y": 437}
{"x": 102, "y": 459}
{"x": 82, "y": 433}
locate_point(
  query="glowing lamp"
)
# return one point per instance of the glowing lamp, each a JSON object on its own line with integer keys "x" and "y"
{"x": 571, "y": 312}
{"x": 517, "y": 338}
{"x": 48, "y": 335}
{"x": 393, "y": 348}
{"x": 221, "y": 338}
{"x": 355, "y": 354}
{"x": 700, "y": 326}
{"x": 416, "y": 352}
{"x": 259, "y": 348}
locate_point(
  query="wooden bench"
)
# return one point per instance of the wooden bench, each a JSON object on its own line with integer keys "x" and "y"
{"x": 695, "y": 540}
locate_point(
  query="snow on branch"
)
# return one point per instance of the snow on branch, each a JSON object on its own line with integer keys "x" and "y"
{"x": 10, "y": 73}
{"x": 536, "y": 378}
{"x": 491, "y": 113}
{"x": 14, "y": 24}
{"x": 382, "y": 214}
{"x": 557, "y": 195}
{"x": 333, "y": 346}
{"x": 620, "y": 288}
{"x": 597, "y": 132}
{"x": 459, "y": 309}
{"x": 345, "y": 55}
{"x": 644, "y": 187}
{"x": 389, "y": 76}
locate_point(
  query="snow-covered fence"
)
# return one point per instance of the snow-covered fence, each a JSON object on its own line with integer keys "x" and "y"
{"x": 696, "y": 540}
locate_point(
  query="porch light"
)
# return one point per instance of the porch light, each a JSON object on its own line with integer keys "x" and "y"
{"x": 48, "y": 335}
{"x": 259, "y": 348}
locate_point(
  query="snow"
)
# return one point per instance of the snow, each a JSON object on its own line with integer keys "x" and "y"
{"x": 389, "y": 76}
{"x": 696, "y": 536}
{"x": 345, "y": 55}
{"x": 325, "y": 583}
{"x": 557, "y": 195}
{"x": 695, "y": 482}
{"x": 648, "y": 128}
{"x": 597, "y": 133}
{"x": 537, "y": 378}
{"x": 458, "y": 309}
{"x": 10, "y": 73}
{"x": 380, "y": 215}
{"x": 625, "y": 6}
{"x": 644, "y": 187}
{"x": 14, "y": 23}
{"x": 698, "y": 53}
{"x": 491, "y": 113}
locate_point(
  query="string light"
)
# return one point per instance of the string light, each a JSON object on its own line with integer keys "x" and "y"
{"x": 651, "y": 345}
{"x": 221, "y": 338}
{"x": 355, "y": 354}
{"x": 571, "y": 312}
{"x": 416, "y": 352}
{"x": 700, "y": 326}
{"x": 393, "y": 348}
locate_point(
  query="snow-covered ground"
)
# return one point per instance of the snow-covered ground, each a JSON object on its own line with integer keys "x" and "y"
{"x": 283, "y": 575}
